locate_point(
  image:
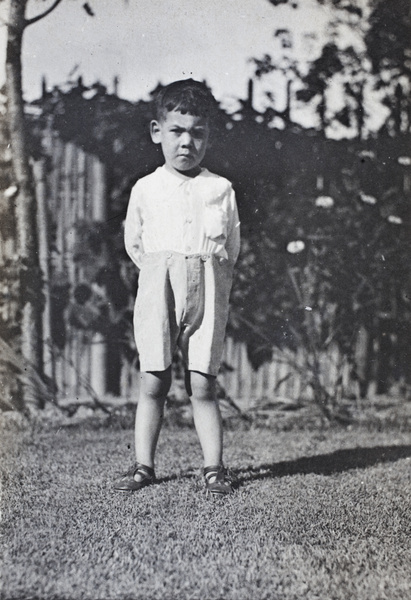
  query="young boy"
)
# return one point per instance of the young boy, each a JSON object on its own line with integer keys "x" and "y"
{"x": 182, "y": 232}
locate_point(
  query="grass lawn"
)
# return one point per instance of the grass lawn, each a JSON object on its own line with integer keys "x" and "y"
{"x": 319, "y": 515}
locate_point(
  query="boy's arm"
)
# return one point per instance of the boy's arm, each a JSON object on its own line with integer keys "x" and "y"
{"x": 232, "y": 245}
{"x": 133, "y": 229}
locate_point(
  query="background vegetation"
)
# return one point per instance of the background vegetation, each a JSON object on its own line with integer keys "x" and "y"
{"x": 325, "y": 222}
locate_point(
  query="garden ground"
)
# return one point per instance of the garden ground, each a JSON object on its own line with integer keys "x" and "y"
{"x": 321, "y": 513}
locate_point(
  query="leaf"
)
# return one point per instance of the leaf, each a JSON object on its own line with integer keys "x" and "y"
{"x": 38, "y": 389}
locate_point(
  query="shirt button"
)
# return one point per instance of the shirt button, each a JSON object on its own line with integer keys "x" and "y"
{"x": 189, "y": 220}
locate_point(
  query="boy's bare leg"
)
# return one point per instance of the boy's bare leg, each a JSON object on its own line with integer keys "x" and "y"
{"x": 149, "y": 414}
{"x": 207, "y": 417}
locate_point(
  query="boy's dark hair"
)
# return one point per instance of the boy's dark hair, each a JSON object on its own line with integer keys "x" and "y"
{"x": 187, "y": 96}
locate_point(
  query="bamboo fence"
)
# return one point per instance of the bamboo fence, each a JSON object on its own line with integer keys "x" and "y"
{"x": 70, "y": 188}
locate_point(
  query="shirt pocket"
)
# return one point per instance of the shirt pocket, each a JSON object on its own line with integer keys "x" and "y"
{"x": 215, "y": 223}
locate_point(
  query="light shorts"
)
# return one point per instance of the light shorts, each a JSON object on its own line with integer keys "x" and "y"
{"x": 182, "y": 302}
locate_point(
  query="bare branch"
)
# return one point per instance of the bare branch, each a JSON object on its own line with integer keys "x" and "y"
{"x": 43, "y": 14}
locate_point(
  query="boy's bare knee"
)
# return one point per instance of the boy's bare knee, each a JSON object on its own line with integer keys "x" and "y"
{"x": 156, "y": 384}
{"x": 200, "y": 386}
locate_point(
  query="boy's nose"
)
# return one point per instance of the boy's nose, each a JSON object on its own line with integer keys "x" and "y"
{"x": 186, "y": 139}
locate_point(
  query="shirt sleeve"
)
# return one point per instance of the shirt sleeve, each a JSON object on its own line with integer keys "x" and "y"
{"x": 232, "y": 245}
{"x": 133, "y": 228}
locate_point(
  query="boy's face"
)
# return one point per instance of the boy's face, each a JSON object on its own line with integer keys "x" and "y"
{"x": 183, "y": 140}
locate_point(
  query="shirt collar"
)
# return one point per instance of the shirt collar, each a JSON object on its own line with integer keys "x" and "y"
{"x": 177, "y": 178}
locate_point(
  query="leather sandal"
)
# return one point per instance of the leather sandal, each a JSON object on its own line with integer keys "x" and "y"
{"x": 219, "y": 481}
{"x": 128, "y": 483}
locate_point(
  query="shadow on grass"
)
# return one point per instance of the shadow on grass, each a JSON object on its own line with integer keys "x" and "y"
{"x": 168, "y": 478}
{"x": 323, "y": 464}
{"x": 328, "y": 464}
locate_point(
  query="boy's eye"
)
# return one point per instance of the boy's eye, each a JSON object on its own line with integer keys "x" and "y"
{"x": 198, "y": 134}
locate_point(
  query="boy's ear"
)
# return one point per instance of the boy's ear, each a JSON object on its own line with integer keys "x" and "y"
{"x": 155, "y": 132}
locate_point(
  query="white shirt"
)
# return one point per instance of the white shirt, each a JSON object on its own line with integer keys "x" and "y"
{"x": 169, "y": 211}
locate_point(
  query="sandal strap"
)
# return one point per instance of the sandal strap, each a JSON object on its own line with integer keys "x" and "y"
{"x": 213, "y": 470}
{"x": 221, "y": 474}
{"x": 144, "y": 470}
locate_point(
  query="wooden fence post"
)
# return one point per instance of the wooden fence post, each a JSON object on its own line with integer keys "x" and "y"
{"x": 98, "y": 348}
{"x": 44, "y": 260}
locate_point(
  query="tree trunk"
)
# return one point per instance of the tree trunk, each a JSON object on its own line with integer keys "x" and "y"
{"x": 25, "y": 201}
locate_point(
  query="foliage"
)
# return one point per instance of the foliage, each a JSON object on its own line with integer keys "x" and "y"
{"x": 350, "y": 259}
{"x": 100, "y": 301}
{"x": 375, "y": 70}
{"x": 351, "y": 225}
{"x": 16, "y": 373}
{"x": 351, "y": 67}
{"x": 19, "y": 277}
{"x": 113, "y": 129}
{"x": 388, "y": 43}
{"x": 389, "y": 36}
{"x": 344, "y": 201}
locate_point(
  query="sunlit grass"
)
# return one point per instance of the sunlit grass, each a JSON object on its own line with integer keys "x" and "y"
{"x": 316, "y": 516}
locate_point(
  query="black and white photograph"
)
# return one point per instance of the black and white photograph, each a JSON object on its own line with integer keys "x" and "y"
{"x": 205, "y": 300}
